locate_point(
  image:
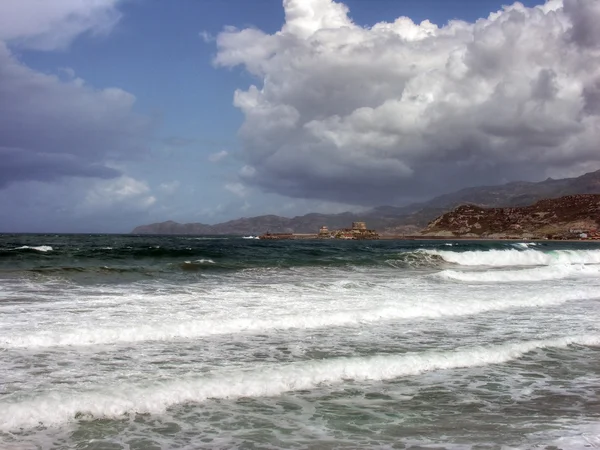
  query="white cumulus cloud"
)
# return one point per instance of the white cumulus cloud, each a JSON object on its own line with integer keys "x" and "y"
{"x": 169, "y": 188}
{"x": 120, "y": 192}
{"x": 237, "y": 189}
{"x": 53, "y": 24}
{"x": 400, "y": 110}
{"x": 218, "y": 156}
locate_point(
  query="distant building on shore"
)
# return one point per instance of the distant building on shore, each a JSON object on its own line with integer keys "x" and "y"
{"x": 359, "y": 231}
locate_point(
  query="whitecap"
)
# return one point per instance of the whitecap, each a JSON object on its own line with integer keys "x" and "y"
{"x": 515, "y": 257}
{"x": 546, "y": 273}
{"x": 41, "y": 248}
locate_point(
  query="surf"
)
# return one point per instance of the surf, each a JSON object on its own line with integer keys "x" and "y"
{"x": 115, "y": 401}
{"x": 538, "y": 274}
{"x": 260, "y": 322}
{"x": 514, "y": 257}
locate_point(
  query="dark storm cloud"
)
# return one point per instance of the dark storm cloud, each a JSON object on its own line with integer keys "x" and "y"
{"x": 65, "y": 147}
{"x": 398, "y": 110}
{"x": 51, "y": 128}
{"x": 584, "y": 15}
{"x": 591, "y": 95}
{"x": 20, "y": 165}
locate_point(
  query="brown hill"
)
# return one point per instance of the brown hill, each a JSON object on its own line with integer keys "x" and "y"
{"x": 562, "y": 217}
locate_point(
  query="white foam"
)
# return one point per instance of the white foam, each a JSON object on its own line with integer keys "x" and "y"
{"x": 514, "y": 257}
{"x": 524, "y": 244}
{"x": 250, "y": 237}
{"x": 41, "y": 248}
{"x": 575, "y": 437}
{"x": 546, "y": 273}
{"x": 187, "y": 329}
{"x": 200, "y": 261}
{"x": 268, "y": 380}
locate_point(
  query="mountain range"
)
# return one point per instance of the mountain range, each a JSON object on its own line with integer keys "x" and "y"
{"x": 408, "y": 219}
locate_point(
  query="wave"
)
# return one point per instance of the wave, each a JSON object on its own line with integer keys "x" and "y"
{"x": 199, "y": 264}
{"x": 41, "y": 248}
{"x": 200, "y": 261}
{"x": 265, "y": 381}
{"x": 416, "y": 259}
{"x": 91, "y": 269}
{"x": 166, "y": 331}
{"x": 524, "y": 244}
{"x": 512, "y": 257}
{"x": 556, "y": 272}
{"x": 250, "y": 237}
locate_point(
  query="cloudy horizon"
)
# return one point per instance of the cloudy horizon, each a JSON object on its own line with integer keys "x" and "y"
{"x": 116, "y": 113}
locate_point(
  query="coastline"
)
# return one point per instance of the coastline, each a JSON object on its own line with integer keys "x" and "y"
{"x": 489, "y": 239}
{"x": 400, "y": 237}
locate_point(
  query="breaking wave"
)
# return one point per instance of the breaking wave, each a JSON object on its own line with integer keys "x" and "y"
{"x": 115, "y": 401}
{"x": 555, "y": 272}
{"x": 525, "y": 244}
{"x": 416, "y": 259}
{"x": 200, "y": 261}
{"x": 41, "y": 248}
{"x": 512, "y": 257}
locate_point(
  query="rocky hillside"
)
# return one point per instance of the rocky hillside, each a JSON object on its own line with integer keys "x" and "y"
{"x": 519, "y": 193}
{"x": 562, "y": 217}
{"x": 391, "y": 219}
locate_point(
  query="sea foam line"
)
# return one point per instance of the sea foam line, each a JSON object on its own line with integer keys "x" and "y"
{"x": 265, "y": 381}
{"x": 514, "y": 257}
{"x": 129, "y": 333}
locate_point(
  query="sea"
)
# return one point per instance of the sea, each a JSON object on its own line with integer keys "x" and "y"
{"x": 182, "y": 342}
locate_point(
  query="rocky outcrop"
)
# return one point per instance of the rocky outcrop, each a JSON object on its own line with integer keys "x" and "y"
{"x": 560, "y": 218}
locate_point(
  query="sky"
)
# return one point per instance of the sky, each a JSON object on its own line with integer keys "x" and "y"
{"x": 117, "y": 113}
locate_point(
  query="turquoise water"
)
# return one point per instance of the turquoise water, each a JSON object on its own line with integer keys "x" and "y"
{"x": 141, "y": 342}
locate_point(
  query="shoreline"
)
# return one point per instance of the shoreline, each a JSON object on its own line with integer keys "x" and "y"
{"x": 495, "y": 240}
{"x": 315, "y": 237}
{"x": 460, "y": 238}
